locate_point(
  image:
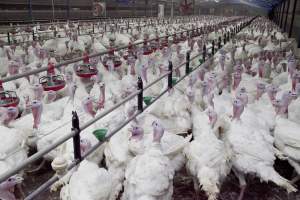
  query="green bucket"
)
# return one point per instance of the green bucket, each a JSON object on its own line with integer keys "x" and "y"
{"x": 147, "y": 100}
{"x": 174, "y": 80}
{"x": 200, "y": 60}
{"x": 100, "y": 134}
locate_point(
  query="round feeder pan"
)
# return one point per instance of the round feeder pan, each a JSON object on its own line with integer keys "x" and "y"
{"x": 56, "y": 84}
{"x": 86, "y": 71}
{"x": 9, "y": 99}
{"x": 117, "y": 64}
{"x": 147, "y": 52}
{"x": 100, "y": 134}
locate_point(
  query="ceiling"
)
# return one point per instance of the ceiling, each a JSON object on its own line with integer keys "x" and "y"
{"x": 265, "y": 4}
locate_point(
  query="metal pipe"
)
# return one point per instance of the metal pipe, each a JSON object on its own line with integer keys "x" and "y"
{"x": 293, "y": 18}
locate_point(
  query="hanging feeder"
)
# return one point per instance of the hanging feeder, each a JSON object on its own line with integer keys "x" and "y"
{"x": 86, "y": 69}
{"x": 182, "y": 37}
{"x": 8, "y": 98}
{"x": 115, "y": 59}
{"x": 164, "y": 43}
{"x": 147, "y": 50}
{"x": 155, "y": 44}
{"x": 129, "y": 52}
{"x": 28, "y": 29}
{"x": 175, "y": 39}
{"x": 51, "y": 81}
{"x": 52, "y": 28}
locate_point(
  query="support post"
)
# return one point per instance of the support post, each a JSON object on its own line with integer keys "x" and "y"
{"x": 170, "y": 75}
{"x": 8, "y": 38}
{"x": 187, "y": 65}
{"x": 76, "y": 137}
{"x": 140, "y": 95}
{"x": 228, "y": 36}
{"x": 33, "y": 36}
{"x": 213, "y": 47}
{"x": 204, "y": 53}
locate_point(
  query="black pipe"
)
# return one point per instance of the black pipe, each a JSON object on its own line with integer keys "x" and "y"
{"x": 213, "y": 47}
{"x": 187, "y": 66}
{"x": 140, "y": 95}
{"x": 170, "y": 75}
{"x": 33, "y": 36}
{"x": 76, "y": 137}
{"x": 8, "y": 38}
{"x": 204, "y": 53}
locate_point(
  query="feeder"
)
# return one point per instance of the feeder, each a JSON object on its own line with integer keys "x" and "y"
{"x": 182, "y": 37}
{"x": 147, "y": 50}
{"x": 52, "y": 28}
{"x": 154, "y": 45}
{"x": 129, "y": 52}
{"x": 51, "y": 81}
{"x": 115, "y": 59}
{"x": 86, "y": 69}
{"x": 175, "y": 39}
{"x": 147, "y": 100}
{"x": 174, "y": 80}
{"x": 164, "y": 43}
{"x": 8, "y": 98}
{"x": 100, "y": 134}
{"x": 28, "y": 29}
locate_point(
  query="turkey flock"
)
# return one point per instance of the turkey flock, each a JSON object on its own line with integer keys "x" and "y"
{"x": 237, "y": 112}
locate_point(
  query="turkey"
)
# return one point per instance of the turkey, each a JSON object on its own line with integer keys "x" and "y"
{"x": 154, "y": 166}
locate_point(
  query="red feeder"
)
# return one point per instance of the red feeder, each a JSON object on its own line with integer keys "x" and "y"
{"x": 182, "y": 37}
{"x": 28, "y": 29}
{"x": 175, "y": 39}
{"x": 115, "y": 59}
{"x": 86, "y": 70}
{"x": 8, "y": 98}
{"x": 129, "y": 52}
{"x": 147, "y": 50}
{"x": 164, "y": 43}
{"x": 51, "y": 81}
{"x": 155, "y": 44}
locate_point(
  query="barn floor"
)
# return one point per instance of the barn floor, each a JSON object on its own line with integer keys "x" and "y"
{"x": 183, "y": 187}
